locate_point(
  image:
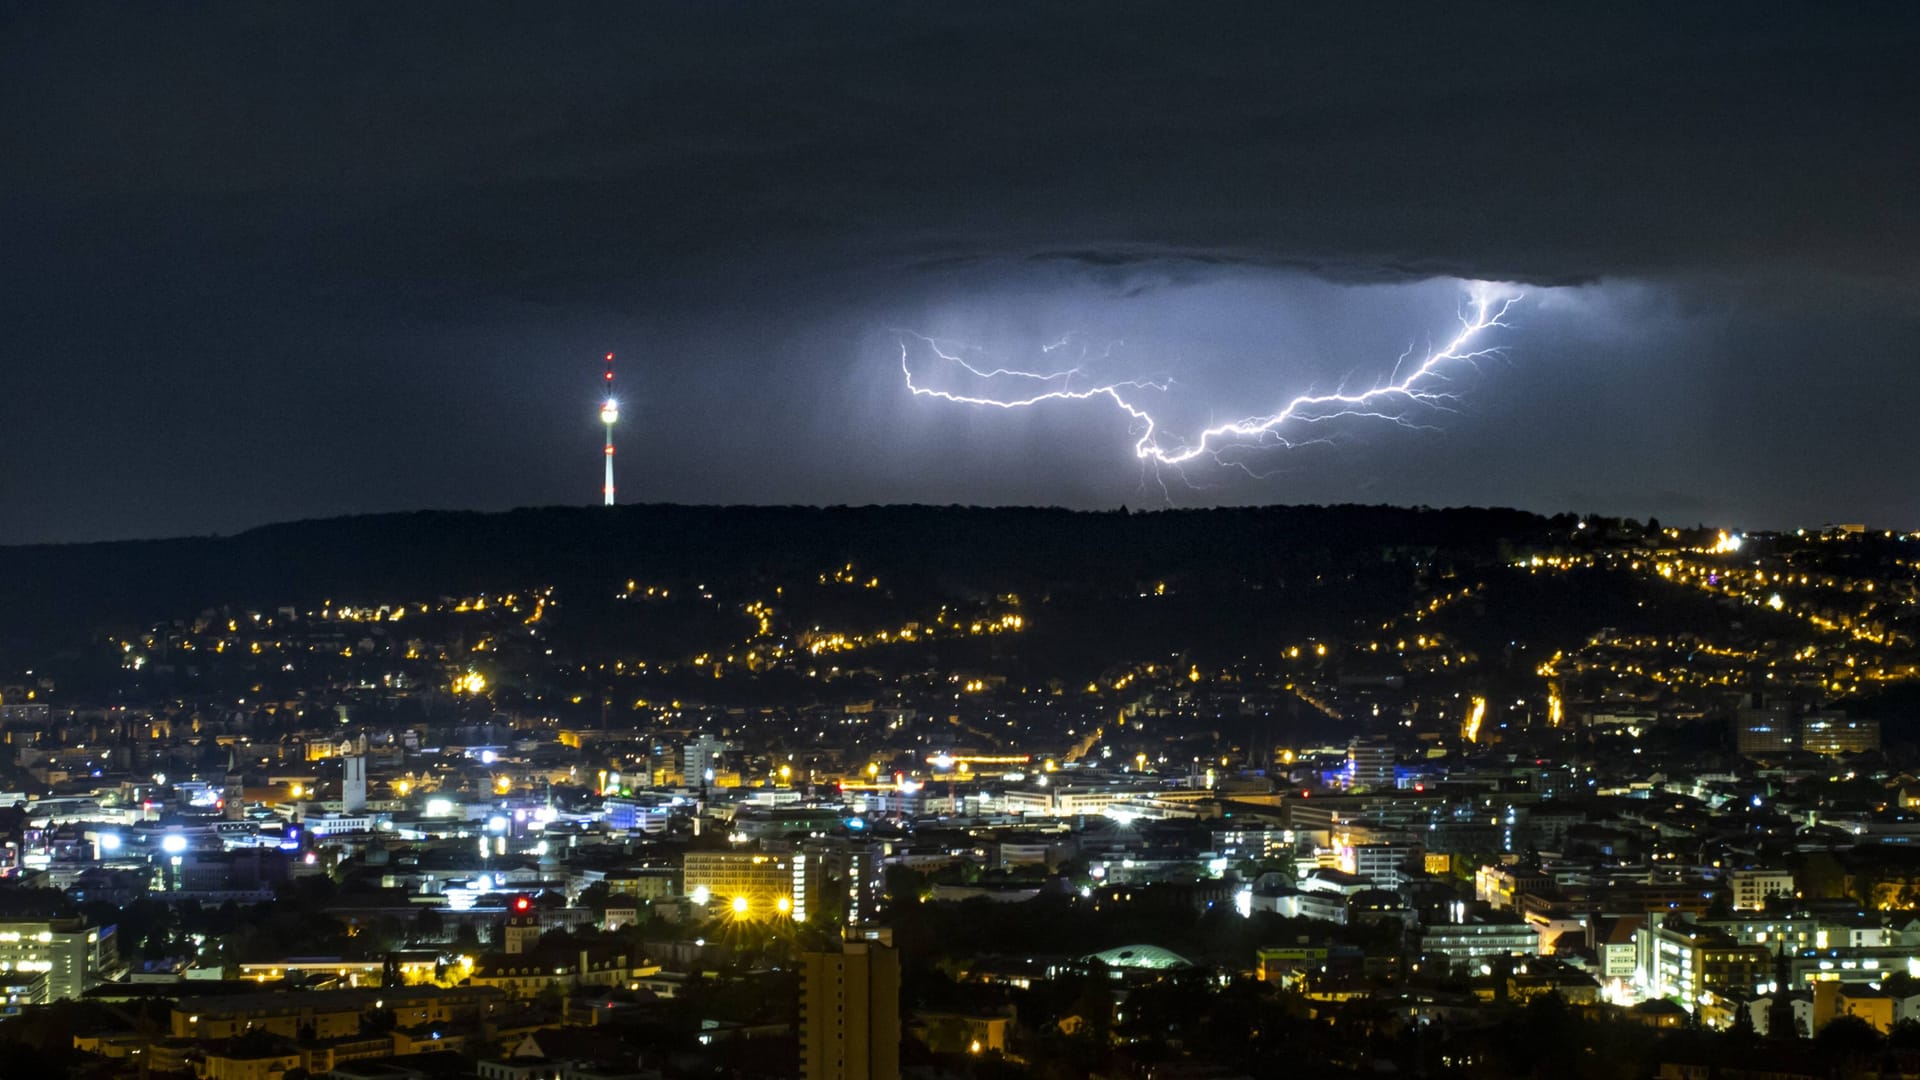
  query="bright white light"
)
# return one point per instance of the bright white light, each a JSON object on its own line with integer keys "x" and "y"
{"x": 943, "y": 761}
{"x": 1243, "y": 903}
{"x": 173, "y": 844}
{"x": 488, "y": 757}
{"x": 610, "y": 412}
{"x": 109, "y": 841}
{"x": 1413, "y": 386}
{"x": 439, "y": 807}
{"x": 497, "y": 824}
{"x": 701, "y": 895}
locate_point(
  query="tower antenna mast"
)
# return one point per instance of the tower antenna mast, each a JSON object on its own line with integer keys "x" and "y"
{"x": 609, "y": 415}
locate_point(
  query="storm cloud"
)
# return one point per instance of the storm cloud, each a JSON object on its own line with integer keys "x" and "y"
{"x": 268, "y": 261}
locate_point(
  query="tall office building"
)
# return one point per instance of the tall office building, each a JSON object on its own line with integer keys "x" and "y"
{"x": 701, "y": 753}
{"x": 848, "y": 863}
{"x": 1766, "y": 727}
{"x": 353, "y": 784}
{"x": 1370, "y": 762}
{"x": 850, "y": 1010}
{"x": 1833, "y": 732}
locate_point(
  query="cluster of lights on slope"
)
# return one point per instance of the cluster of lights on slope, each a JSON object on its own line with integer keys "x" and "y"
{"x": 768, "y": 645}
{"x": 1870, "y": 652}
{"x": 287, "y": 642}
{"x": 818, "y": 641}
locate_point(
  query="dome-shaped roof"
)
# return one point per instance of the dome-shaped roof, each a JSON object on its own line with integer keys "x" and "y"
{"x": 1152, "y": 957}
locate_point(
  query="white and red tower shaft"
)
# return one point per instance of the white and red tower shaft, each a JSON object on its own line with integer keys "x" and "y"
{"x": 609, "y": 415}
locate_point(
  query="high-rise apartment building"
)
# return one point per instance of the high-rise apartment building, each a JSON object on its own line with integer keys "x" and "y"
{"x": 701, "y": 754}
{"x": 1370, "y": 761}
{"x": 850, "y": 1010}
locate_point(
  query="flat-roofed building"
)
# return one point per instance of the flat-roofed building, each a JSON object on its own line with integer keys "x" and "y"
{"x": 73, "y": 956}
{"x": 1751, "y": 888}
{"x": 755, "y": 883}
{"x": 1838, "y": 733}
{"x": 850, "y": 1012}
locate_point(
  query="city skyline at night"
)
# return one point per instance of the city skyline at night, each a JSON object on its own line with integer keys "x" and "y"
{"x": 1151, "y": 541}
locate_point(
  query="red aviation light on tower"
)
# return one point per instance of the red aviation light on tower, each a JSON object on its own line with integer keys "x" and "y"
{"x": 522, "y": 905}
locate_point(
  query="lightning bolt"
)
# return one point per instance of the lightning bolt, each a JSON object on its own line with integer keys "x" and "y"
{"x": 1409, "y": 387}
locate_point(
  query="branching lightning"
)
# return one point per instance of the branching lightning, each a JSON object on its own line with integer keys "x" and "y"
{"x": 1410, "y": 388}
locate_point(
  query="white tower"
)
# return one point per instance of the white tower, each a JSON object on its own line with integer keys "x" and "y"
{"x": 609, "y": 415}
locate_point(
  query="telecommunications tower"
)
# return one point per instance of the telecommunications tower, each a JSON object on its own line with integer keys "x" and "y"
{"x": 609, "y": 415}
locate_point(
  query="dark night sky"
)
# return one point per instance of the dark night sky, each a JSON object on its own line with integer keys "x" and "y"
{"x": 261, "y": 262}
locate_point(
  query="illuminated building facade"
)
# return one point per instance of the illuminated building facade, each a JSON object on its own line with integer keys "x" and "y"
{"x": 850, "y": 1011}
{"x": 73, "y": 956}
{"x": 1751, "y": 888}
{"x": 1466, "y": 946}
{"x": 1836, "y": 733}
{"x": 1370, "y": 762}
{"x": 353, "y": 783}
{"x": 1769, "y": 729}
{"x": 1683, "y": 961}
{"x": 700, "y": 754}
{"x": 754, "y": 883}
